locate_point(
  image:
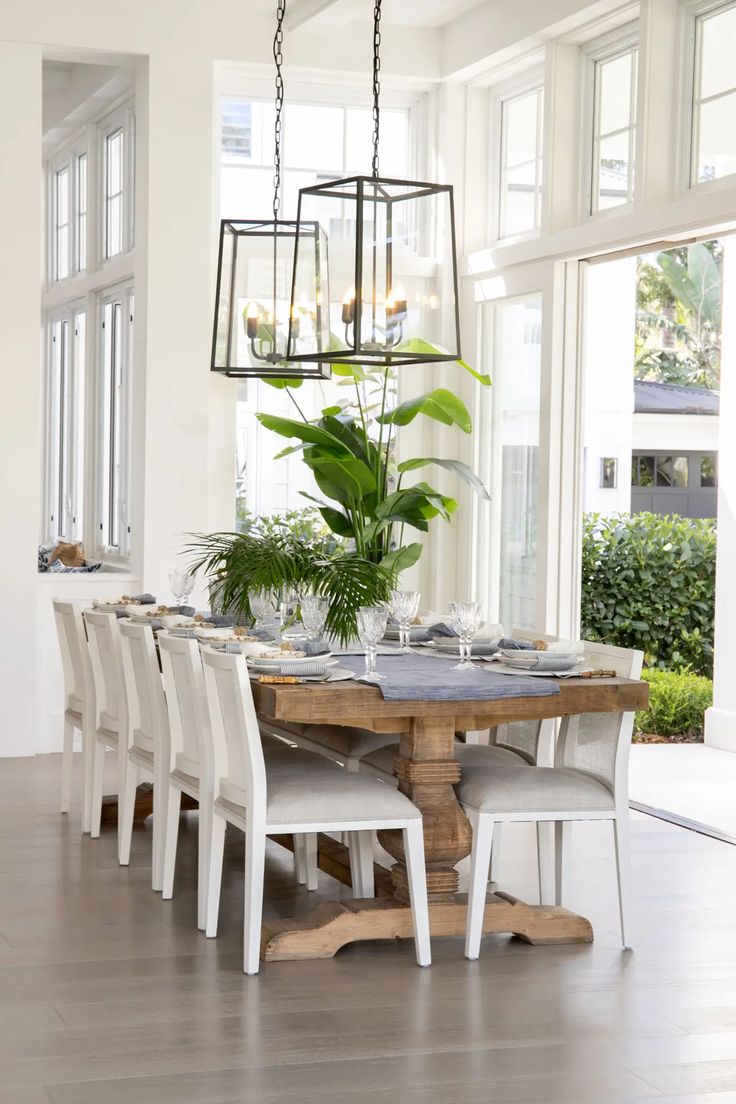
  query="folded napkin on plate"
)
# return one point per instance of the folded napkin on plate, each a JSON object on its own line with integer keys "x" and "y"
{"x": 219, "y": 620}
{"x": 546, "y": 661}
{"x": 314, "y": 647}
{"x": 183, "y": 611}
{"x": 509, "y": 645}
{"x": 284, "y": 667}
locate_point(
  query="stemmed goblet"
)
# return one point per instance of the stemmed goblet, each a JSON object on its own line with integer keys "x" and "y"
{"x": 314, "y": 615}
{"x": 182, "y": 585}
{"x": 371, "y": 628}
{"x": 404, "y": 606}
{"x": 465, "y": 620}
{"x": 262, "y": 606}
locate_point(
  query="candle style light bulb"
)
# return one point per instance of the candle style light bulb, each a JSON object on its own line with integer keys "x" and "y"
{"x": 396, "y": 304}
{"x": 348, "y": 306}
{"x": 295, "y": 322}
{"x": 251, "y": 321}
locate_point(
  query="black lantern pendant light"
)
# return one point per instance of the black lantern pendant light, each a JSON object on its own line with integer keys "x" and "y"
{"x": 254, "y": 313}
{"x": 388, "y": 294}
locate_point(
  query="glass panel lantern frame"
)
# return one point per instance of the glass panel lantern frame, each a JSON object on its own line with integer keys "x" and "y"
{"x": 393, "y": 265}
{"x": 248, "y": 251}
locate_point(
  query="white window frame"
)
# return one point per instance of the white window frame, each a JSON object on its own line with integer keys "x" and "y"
{"x": 693, "y": 13}
{"x": 113, "y": 501}
{"x": 524, "y": 84}
{"x": 122, "y": 120}
{"x": 66, "y": 158}
{"x": 65, "y": 520}
{"x": 606, "y": 48}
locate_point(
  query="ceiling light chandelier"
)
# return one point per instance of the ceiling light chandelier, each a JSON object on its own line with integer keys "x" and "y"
{"x": 392, "y": 266}
{"x": 255, "y": 311}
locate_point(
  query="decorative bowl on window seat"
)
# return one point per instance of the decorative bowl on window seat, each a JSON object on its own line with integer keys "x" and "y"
{"x": 64, "y": 558}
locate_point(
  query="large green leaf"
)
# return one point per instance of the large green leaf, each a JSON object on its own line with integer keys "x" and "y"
{"x": 402, "y": 558}
{"x": 439, "y": 404}
{"x": 284, "y": 382}
{"x": 353, "y": 478}
{"x": 419, "y": 345}
{"x": 304, "y": 431}
{"x": 337, "y": 521}
{"x": 456, "y": 466}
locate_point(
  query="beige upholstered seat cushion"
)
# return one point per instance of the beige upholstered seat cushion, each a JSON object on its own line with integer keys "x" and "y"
{"x": 333, "y": 796}
{"x": 487, "y": 755}
{"x": 344, "y": 742}
{"x": 469, "y": 754}
{"x": 283, "y": 759}
{"x": 531, "y": 789}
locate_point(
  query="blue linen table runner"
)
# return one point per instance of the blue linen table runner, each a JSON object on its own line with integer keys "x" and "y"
{"x": 413, "y": 677}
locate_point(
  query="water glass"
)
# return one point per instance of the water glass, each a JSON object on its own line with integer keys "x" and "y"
{"x": 404, "y": 606}
{"x": 182, "y": 585}
{"x": 288, "y": 607}
{"x": 314, "y": 615}
{"x": 465, "y": 620}
{"x": 262, "y": 606}
{"x": 371, "y": 628}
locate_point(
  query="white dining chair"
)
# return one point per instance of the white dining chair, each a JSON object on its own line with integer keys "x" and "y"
{"x": 79, "y": 702}
{"x": 146, "y": 739}
{"x": 110, "y": 724}
{"x": 189, "y": 769}
{"x": 262, "y": 802}
{"x": 589, "y": 781}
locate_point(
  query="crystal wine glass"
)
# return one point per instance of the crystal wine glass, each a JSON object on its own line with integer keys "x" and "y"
{"x": 371, "y": 628}
{"x": 314, "y": 615}
{"x": 288, "y": 606}
{"x": 262, "y": 606}
{"x": 182, "y": 585}
{"x": 404, "y": 606}
{"x": 465, "y": 619}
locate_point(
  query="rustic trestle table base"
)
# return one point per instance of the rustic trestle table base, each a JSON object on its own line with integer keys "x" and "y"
{"x": 427, "y": 770}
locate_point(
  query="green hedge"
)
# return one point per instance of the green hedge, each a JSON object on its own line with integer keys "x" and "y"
{"x": 649, "y": 583}
{"x": 677, "y": 703}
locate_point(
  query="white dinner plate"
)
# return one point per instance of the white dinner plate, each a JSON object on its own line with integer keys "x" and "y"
{"x": 338, "y": 674}
{"x": 267, "y": 664}
{"x": 502, "y": 669}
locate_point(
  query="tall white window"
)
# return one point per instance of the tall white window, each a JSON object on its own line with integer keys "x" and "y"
{"x": 520, "y": 183}
{"x": 80, "y": 167}
{"x": 65, "y": 425}
{"x": 508, "y": 461}
{"x": 714, "y": 95}
{"x": 113, "y": 419}
{"x": 62, "y": 218}
{"x": 614, "y": 129}
{"x": 117, "y": 146}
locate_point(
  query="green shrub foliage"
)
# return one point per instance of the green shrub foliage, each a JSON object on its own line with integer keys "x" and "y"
{"x": 677, "y": 703}
{"x": 649, "y": 583}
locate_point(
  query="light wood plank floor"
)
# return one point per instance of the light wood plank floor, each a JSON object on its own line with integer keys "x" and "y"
{"x": 109, "y": 994}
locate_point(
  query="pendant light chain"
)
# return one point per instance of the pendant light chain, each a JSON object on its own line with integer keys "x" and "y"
{"x": 278, "y": 57}
{"x": 376, "y": 82}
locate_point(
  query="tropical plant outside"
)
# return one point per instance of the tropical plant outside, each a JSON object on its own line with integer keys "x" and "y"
{"x": 678, "y": 315}
{"x": 677, "y": 704}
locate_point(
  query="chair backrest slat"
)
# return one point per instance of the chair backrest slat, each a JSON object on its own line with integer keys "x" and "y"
{"x": 144, "y": 692}
{"x": 186, "y": 704}
{"x": 107, "y": 670}
{"x": 78, "y": 688}
{"x": 236, "y": 740}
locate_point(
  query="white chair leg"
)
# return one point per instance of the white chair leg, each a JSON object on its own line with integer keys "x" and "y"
{"x": 169, "y": 842}
{"x": 88, "y": 749}
{"x": 255, "y": 855}
{"x": 126, "y": 811}
{"x": 480, "y": 858}
{"x": 160, "y": 805}
{"x": 98, "y": 772}
{"x": 204, "y": 832}
{"x": 67, "y": 762}
{"x": 417, "y": 878}
{"x": 300, "y": 858}
{"x": 360, "y": 845}
{"x": 311, "y": 869}
{"x": 623, "y": 870}
{"x": 214, "y": 878}
{"x": 495, "y": 851}
{"x": 562, "y": 841}
{"x": 545, "y": 862}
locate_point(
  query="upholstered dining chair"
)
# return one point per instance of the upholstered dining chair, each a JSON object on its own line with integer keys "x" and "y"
{"x": 589, "y": 781}
{"x": 110, "y": 723}
{"x": 79, "y": 701}
{"x": 189, "y": 769}
{"x": 262, "y": 801}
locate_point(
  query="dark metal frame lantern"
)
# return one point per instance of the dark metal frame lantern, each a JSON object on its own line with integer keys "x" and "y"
{"x": 256, "y": 313}
{"x": 252, "y": 301}
{"x": 392, "y": 266}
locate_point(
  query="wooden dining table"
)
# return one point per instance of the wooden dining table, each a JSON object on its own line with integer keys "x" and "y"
{"x": 427, "y": 770}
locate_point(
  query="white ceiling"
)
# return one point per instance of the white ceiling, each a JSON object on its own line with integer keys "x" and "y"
{"x": 408, "y": 13}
